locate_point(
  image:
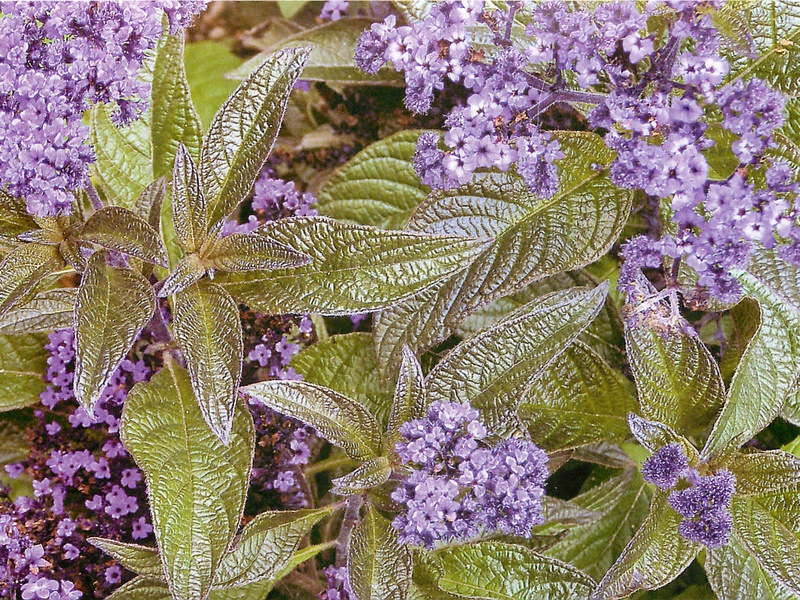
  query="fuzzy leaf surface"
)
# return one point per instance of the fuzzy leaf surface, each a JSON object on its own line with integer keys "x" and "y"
{"x": 189, "y": 270}
{"x": 370, "y": 474}
{"x": 45, "y": 312}
{"x": 142, "y": 560}
{"x": 410, "y": 395}
{"x": 23, "y": 268}
{"x": 765, "y": 472}
{"x": 734, "y": 574}
{"x": 23, "y": 363}
{"x": 142, "y": 588}
{"x": 189, "y": 204}
{"x": 14, "y": 219}
{"x": 653, "y": 435}
{"x": 120, "y": 229}
{"x": 238, "y": 253}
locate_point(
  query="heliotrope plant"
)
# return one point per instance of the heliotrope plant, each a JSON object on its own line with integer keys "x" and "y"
{"x": 399, "y": 300}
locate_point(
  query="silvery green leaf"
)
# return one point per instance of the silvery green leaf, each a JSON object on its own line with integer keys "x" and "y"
{"x": 372, "y": 473}
{"x": 337, "y": 418}
{"x": 207, "y": 327}
{"x": 239, "y": 253}
{"x": 22, "y": 269}
{"x": 765, "y": 472}
{"x": 533, "y": 238}
{"x": 735, "y": 574}
{"x": 745, "y": 321}
{"x": 555, "y": 510}
{"x": 656, "y": 554}
{"x": 189, "y": 270}
{"x": 45, "y": 312}
{"x": 112, "y": 307}
{"x": 578, "y": 399}
{"x": 142, "y": 588}
{"x": 23, "y": 363}
{"x": 244, "y": 129}
{"x": 196, "y": 485}
{"x": 189, "y": 205}
{"x": 14, "y": 219}
{"x": 120, "y": 229}
{"x": 498, "y": 571}
{"x": 142, "y": 560}
{"x": 493, "y": 369}
{"x": 654, "y": 435}
{"x": 379, "y": 566}
{"x": 266, "y": 546}
{"x": 410, "y": 395}
{"x": 378, "y": 186}
{"x": 346, "y": 364}
{"x": 72, "y": 254}
{"x": 148, "y": 204}
{"x": 353, "y": 269}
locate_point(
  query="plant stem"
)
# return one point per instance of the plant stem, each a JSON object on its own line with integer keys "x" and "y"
{"x": 330, "y": 463}
{"x": 349, "y": 522}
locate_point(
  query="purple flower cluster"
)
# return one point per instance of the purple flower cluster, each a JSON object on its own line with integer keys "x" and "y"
{"x": 704, "y": 504}
{"x": 56, "y": 60}
{"x": 333, "y": 10}
{"x": 459, "y": 486}
{"x": 338, "y": 584}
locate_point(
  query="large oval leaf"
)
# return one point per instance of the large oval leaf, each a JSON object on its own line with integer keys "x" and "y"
{"x": 23, "y": 363}
{"x": 239, "y": 252}
{"x": 120, "y": 229}
{"x": 196, "y": 485}
{"x": 23, "y": 268}
{"x": 45, "y": 312}
{"x": 734, "y": 574}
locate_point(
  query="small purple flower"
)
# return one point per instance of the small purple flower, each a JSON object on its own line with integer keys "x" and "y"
{"x": 666, "y": 466}
{"x": 705, "y": 508}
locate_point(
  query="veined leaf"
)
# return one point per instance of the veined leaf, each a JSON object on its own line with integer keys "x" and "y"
{"x": 492, "y": 369}
{"x": 189, "y": 270}
{"x": 578, "y": 399}
{"x": 45, "y": 312}
{"x": 266, "y": 546}
{"x": 189, "y": 206}
{"x": 238, "y": 253}
{"x": 142, "y": 588}
{"x": 113, "y": 306}
{"x": 656, "y": 554}
{"x": 498, "y": 571}
{"x": 23, "y": 363}
{"x": 148, "y": 204}
{"x": 745, "y": 320}
{"x": 654, "y": 435}
{"x": 120, "y": 229}
{"x": 353, "y": 269}
{"x": 196, "y": 485}
{"x": 242, "y": 133}
{"x": 23, "y": 268}
{"x": 410, "y": 395}
{"x": 206, "y": 325}
{"x": 734, "y": 574}
{"x": 14, "y": 219}
{"x": 765, "y": 472}
{"x": 378, "y": 186}
{"x": 337, "y": 418}
{"x": 346, "y": 364}
{"x": 142, "y": 560}
{"x": 372, "y": 473}
{"x": 379, "y": 566}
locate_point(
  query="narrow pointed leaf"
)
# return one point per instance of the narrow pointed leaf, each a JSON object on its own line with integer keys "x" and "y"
{"x": 196, "y": 485}
{"x": 207, "y": 327}
{"x": 242, "y": 133}
{"x": 22, "y": 269}
{"x": 120, "y": 229}
{"x": 45, "y": 312}
{"x": 113, "y": 306}
{"x": 189, "y": 270}
{"x": 239, "y": 253}
{"x": 353, "y": 269}
{"x": 23, "y": 363}
{"x": 492, "y": 369}
{"x": 189, "y": 206}
{"x": 14, "y": 219}
{"x": 142, "y": 560}
{"x": 734, "y": 574}
{"x": 410, "y": 396}
{"x": 142, "y": 588}
{"x": 372, "y": 473}
{"x": 337, "y": 418}
{"x": 148, "y": 204}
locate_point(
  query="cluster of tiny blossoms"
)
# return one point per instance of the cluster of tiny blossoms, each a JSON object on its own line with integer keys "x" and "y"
{"x": 459, "y": 486}
{"x": 57, "y": 59}
{"x": 338, "y": 583}
{"x": 704, "y": 503}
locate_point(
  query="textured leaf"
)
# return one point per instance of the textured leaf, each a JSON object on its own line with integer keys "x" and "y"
{"x": 120, "y": 229}
{"x": 353, "y": 269}
{"x": 23, "y": 268}
{"x": 189, "y": 204}
{"x": 175, "y": 119}
{"x": 238, "y": 252}
{"x": 678, "y": 379}
{"x": 23, "y": 363}
{"x": 745, "y": 320}
{"x": 735, "y": 574}
{"x": 656, "y": 554}
{"x": 14, "y": 219}
{"x": 189, "y": 270}
{"x": 379, "y": 566}
{"x": 578, "y": 399}
{"x": 206, "y": 325}
{"x": 196, "y": 485}
{"x": 142, "y": 588}
{"x": 142, "y": 560}
{"x": 113, "y": 306}
{"x": 345, "y": 364}
{"x": 410, "y": 395}
{"x": 45, "y": 312}
{"x": 242, "y": 133}
{"x": 492, "y": 369}
{"x": 148, "y": 204}
{"x": 266, "y": 546}
{"x": 378, "y": 186}
{"x": 337, "y": 418}
{"x": 372, "y": 473}
{"x": 765, "y": 472}
{"x": 498, "y": 571}
{"x": 654, "y": 435}
{"x": 533, "y": 238}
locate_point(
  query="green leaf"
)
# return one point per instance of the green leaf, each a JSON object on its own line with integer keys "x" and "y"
{"x": 45, "y": 312}
{"x": 206, "y": 65}
{"x": 189, "y": 205}
{"x": 578, "y": 399}
{"x": 174, "y": 118}
{"x": 14, "y": 219}
{"x": 22, "y": 269}
{"x": 654, "y": 435}
{"x": 14, "y": 445}
{"x": 239, "y": 253}
{"x": 678, "y": 379}
{"x": 113, "y": 306}
{"x": 253, "y": 591}
{"x": 410, "y": 395}
{"x": 266, "y": 546}
{"x": 142, "y": 588}
{"x": 242, "y": 133}
{"x": 656, "y": 554}
{"x": 207, "y": 327}
{"x": 493, "y": 369}
{"x": 196, "y": 485}
{"x": 765, "y": 472}
{"x": 148, "y": 204}
{"x": 142, "y": 560}
{"x": 378, "y": 186}
{"x": 23, "y": 363}
{"x": 353, "y": 269}
{"x": 379, "y": 566}
{"x": 745, "y": 321}
{"x": 121, "y": 229}
{"x": 498, "y": 571}
{"x": 337, "y": 418}
{"x": 372, "y": 473}
{"x": 346, "y": 364}
{"x": 734, "y": 574}
{"x": 189, "y": 270}
{"x": 533, "y": 238}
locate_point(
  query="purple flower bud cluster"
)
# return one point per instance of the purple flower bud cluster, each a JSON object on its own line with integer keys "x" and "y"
{"x": 460, "y": 486}
{"x": 57, "y": 59}
{"x": 338, "y": 584}
{"x": 704, "y": 504}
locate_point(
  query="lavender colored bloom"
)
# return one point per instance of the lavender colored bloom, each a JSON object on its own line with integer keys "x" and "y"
{"x": 338, "y": 582}
{"x": 334, "y": 10}
{"x": 705, "y": 508}
{"x": 666, "y": 466}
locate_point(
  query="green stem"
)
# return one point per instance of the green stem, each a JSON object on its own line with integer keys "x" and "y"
{"x": 330, "y": 463}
